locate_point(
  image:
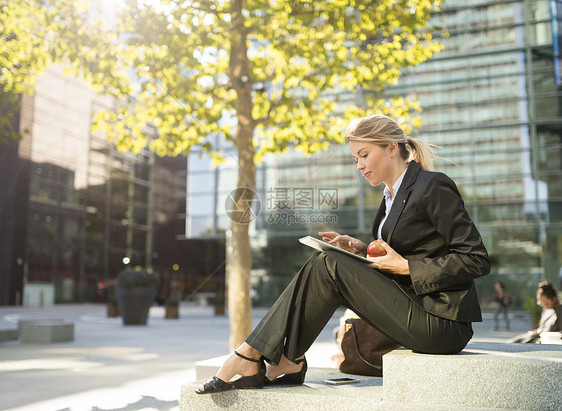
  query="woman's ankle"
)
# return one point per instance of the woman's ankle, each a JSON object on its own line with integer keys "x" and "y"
{"x": 248, "y": 351}
{"x": 299, "y": 360}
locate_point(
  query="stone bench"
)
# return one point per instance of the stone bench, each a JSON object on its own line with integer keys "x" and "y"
{"x": 483, "y": 376}
{"x": 45, "y": 331}
{"x": 493, "y": 375}
{"x": 23, "y": 323}
{"x": 314, "y": 395}
{"x": 8, "y": 335}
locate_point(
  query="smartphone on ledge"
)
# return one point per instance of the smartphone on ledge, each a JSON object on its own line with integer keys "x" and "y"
{"x": 341, "y": 381}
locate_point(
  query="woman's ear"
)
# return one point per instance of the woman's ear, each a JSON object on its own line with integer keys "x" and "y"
{"x": 392, "y": 148}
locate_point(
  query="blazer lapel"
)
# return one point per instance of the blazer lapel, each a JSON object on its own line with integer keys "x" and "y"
{"x": 400, "y": 201}
{"x": 397, "y": 206}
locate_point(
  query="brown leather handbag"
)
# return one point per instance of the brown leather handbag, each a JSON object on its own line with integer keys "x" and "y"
{"x": 363, "y": 347}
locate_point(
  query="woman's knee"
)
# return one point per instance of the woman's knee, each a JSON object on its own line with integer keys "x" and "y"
{"x": 315, "y": 271}
{"x": 321, "y": 261}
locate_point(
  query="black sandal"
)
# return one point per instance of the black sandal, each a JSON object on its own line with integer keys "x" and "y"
{"x": 296, "y": 378}
{"x": 215, "y": 384}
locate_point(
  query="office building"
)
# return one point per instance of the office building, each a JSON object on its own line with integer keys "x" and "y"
{"x": 76, "y": 211}
{"x": 491, "y": 100}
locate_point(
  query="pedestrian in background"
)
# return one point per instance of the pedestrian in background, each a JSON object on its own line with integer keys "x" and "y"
{"x": 503, "y": 299}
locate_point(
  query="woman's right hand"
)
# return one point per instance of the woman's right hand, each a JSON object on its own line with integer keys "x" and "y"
{"x": 344, "y": 242}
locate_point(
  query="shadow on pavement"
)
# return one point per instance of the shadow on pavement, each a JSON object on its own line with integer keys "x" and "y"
{"x": 144, "y": 403}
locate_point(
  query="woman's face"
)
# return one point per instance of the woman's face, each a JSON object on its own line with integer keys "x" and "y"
{"x": 374, "y": 161}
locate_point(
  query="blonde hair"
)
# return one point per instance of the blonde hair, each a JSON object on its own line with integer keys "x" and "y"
{"x": 383, "y": 130}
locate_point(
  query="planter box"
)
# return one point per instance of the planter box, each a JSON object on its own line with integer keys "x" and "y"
{"x": 46, "y": 332}
{"x": 134, "y": 303}
{"x": 219, "y": 310}
{"x": 172, "y": 312}
{"x": 112, "y": 310}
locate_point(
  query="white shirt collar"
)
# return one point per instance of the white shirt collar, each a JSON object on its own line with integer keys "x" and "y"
{"x": 396, "y": 185}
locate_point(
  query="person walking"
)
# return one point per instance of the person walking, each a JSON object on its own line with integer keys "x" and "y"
{"x": 503, "y": 299}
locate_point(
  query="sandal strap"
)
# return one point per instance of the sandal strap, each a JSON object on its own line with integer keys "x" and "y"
{"x": 246, "y": 358}
{"x": 213, "y": 385}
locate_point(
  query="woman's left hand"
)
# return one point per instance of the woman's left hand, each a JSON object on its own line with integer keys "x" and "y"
{"x": 391, "y": 262}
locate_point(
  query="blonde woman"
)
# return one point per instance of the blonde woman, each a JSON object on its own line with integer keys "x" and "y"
{"x": 421, "y": 293}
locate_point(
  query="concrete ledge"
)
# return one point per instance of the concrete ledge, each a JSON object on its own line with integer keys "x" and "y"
{"x": 22, "y": 323}
{"x": 504, "y": 376}
{"x": 484, "y": 376}
{"x": 313, "y": 395}
{"x": 45, "y": 331}
{"x": 8, "y": 335}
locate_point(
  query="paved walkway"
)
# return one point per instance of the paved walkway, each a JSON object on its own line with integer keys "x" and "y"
{"x": 109, "y": 366}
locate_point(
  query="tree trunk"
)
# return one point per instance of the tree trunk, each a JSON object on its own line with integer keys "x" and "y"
{"x": 239, "y": 263}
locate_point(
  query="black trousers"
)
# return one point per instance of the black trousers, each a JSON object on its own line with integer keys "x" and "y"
{"x": 331, "y": 279}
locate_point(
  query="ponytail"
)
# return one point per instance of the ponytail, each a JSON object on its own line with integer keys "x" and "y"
{"x": 424, "y": 154}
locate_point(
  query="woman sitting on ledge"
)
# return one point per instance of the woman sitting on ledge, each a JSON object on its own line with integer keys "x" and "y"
{"x": 421, "y": 293}
{"x": 551, "y": 317}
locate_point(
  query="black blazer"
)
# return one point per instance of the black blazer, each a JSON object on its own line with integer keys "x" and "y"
{"x": 429, "y": 226}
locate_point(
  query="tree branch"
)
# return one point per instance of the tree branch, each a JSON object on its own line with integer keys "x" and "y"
{"x": 272, "y": 106}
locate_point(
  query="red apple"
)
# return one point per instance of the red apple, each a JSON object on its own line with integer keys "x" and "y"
{"x": 375, "y": 249}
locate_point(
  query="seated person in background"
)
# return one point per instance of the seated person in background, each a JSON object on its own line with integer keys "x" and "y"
{"x": 551, "y": 317}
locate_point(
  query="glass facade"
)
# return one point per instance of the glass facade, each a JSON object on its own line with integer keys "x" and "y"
{"x": 13, "y": 206}
{"x": 88, "y": 203}
{"x": 491, "y": 101}
{"x": 75, "y": 210}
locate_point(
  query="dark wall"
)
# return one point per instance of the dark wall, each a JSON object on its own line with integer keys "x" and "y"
{"x": 14, "y": 189}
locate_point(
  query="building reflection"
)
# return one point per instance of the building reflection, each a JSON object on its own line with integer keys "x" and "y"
{"x": 492, "y": 101}
{"x": 76, "y": 209}
{"x": 73, "y": 207}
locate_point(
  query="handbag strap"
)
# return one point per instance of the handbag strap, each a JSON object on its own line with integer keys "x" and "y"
{"x": 378, "y": 367}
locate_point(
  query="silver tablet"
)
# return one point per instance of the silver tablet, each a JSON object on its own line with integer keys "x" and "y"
{"x": 323, "y": 246}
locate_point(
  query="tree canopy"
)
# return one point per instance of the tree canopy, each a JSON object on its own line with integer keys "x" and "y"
{"x": 304, "y": 63}
{"x": 257, "y": 75}
{"x": 35, "y": 34}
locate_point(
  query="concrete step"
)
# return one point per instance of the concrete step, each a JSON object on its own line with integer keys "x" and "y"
{"x": 8, "y": 335}
{"x": 366, "y": 395}
{"x": 313, "y": 395}
{"x": 45, "y": 331}
{"x": 494, "y": 375}
{"x": 484, "y": 376}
